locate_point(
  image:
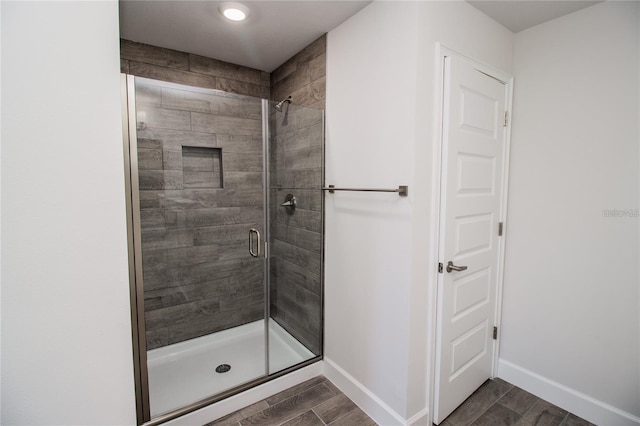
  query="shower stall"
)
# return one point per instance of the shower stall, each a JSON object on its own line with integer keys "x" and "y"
{"x": 225, "y": 242}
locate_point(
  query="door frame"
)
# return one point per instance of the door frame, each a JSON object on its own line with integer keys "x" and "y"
{"x": 442, "y": 52}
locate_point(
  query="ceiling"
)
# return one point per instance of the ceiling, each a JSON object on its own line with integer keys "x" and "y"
{"x": 518, "y": 15}
{"x": 273, "y": 32}
{"x": 277, "y": 30}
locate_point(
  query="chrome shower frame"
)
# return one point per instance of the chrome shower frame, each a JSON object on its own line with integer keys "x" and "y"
{"x": 141, "y": 378}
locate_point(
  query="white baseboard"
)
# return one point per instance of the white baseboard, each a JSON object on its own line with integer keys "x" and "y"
{"x": 582, "y": 405}
{"x": 420, "y": 419}
{"x": 248, "y": 397}
{"x": 375, "y": 408}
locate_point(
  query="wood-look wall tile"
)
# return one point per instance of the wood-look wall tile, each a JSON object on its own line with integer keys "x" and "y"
{"x": 196, "y": 218}
{"x": 306, "y": 117}
{"x": 303, "y": 138}
{"x": 219, "y": 103}
{"x": 240, "y": 197}
{"x": 175, "y": 139}
{"x": 171, "y": 75}
{"x": 210, "y": 123}
{"x": 204, "y": 325}
{"x": 246, "y": 144}
{"x": 157, "y": 338}
{"x": 283, "y": 71}
{"x": 162, "y": 118}
{"x": 158, "y": 179}
{"x": 220, "y": 234}
{"x": 303, "y": 258}
{"x": 204, "y": 65}
{"x": 152, "y": 219}
{"x": 165, "y": 317}
{"x": 236, "y": 300}
{"x": 160, "y": 56}
{"x": 311, "y": 94}
{"x": 241, "y": 162}
{"x": 249, "y": 180}
{"x": 124, "y": 66}
{"x": 305, "y": 158}
{"x": 168, "y": 297}
{"x": 150, "y": 159}
{"x": 297, "y": 275}
{"x": 148, "y": 94}
{"x": 313, "y": 50}
{"x": 242, "y": 88}
{"x": 289, "y": 84}
{"x": 166, "y": 238}
{"x": 318, "y": 67}
{"x": 309, "y": 240}
{"x": 265, "y": 78}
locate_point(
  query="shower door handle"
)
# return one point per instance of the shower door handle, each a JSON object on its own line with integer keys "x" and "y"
{"x": 254, "y": 252}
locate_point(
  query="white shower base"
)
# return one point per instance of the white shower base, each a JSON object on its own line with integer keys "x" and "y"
{"x": 184, "y": 372}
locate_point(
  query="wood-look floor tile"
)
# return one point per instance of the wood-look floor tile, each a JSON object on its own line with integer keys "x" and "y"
{"x": 288, "y": 393}
{"x": 573, "y": 420}
{"x": 333, "y": 387}
{"x": 334, "y": 408}
{"x": 290, "y": 407}
{"x": 518, "y": 400}
{"x": 497, "y": 415}
{"x": 236, "y": 416}
{"x": 479, "y": 402}
{"x": 543, "y": 413}
{"x": 307, "y": 419}
{"x": 356, "y": 417}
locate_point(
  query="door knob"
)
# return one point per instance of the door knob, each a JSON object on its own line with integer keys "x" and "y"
{"x": 452, "y": 267}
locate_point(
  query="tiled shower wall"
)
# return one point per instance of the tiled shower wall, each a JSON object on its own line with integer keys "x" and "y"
{"x": 303, "y": 76}
{"x": 163, "y": 64}
{"x": 200, "y": 177}
{"x": 296, "y": 144}
{"x": 296, "y": 168}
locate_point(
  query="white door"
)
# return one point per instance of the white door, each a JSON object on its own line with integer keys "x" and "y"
{"x": 473, "y": 150}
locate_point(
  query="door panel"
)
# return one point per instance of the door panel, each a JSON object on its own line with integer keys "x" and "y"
{"x": 472, "y": 176}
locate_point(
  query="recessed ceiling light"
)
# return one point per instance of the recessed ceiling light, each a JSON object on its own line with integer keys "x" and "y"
{"x": 234, "y": 11}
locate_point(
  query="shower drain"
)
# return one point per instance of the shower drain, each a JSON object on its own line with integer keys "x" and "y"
{"x": 223, "y": 368}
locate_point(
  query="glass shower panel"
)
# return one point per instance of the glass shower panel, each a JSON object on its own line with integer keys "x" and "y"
{"x": 296, "y": 241}
{"x": 199, "y": 157}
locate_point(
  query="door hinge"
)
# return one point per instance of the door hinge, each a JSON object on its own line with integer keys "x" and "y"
{"x": 506, "y": 119}
{"x": 495, "y": 333}
{"x": 500, "y": 228}
{"x": 440, "y": 267}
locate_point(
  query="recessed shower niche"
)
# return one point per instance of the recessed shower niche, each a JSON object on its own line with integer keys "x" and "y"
{"x": 201, "y": 167}
{"x": 206, "y": 168}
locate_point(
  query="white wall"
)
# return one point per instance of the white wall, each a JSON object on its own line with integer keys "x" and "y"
{"x": 66, "y": 336}
{"x": 571, "y": 323}
{"x": 379, "y": 254}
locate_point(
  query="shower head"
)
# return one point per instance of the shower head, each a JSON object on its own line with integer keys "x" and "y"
{"x": 279, "y": 105}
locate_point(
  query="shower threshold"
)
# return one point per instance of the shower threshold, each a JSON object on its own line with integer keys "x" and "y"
{"x": 185, "y": 372}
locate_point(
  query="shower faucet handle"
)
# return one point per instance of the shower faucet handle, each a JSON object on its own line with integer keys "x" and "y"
{"x": 289, "y": 204}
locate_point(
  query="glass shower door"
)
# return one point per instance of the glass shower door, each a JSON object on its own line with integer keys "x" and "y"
{"x": 296, "y": 171}
{"x": 197, "y": 177}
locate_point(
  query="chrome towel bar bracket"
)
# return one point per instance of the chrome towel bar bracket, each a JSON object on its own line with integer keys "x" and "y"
{"x": 402, "y": 190}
